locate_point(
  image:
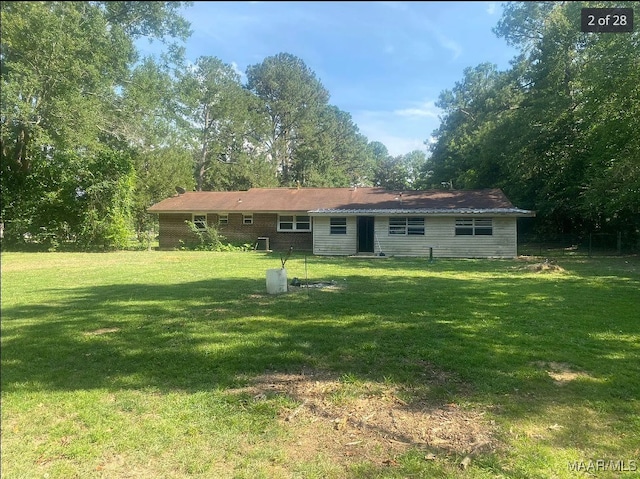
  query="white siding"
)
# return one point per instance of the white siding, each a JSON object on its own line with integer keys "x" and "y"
{"x": 325, "y": 243}
{"x": 401, "y": 245}
{"x": 439, "y": 235}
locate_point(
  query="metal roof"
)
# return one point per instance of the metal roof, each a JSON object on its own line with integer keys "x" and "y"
{"x": 428, "y": 211}
{"x": 342, "y": 200}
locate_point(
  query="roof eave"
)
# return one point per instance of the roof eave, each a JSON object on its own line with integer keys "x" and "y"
{"x": 515, "y": 212}
{"x": 225, "y": 212}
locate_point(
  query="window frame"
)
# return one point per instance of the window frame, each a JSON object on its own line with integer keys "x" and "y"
{"x": 463, "y": 226}
{"x": 247, "y": 218}
{"x": 407, "y": 226}
{"x": 397, "y": 226}
{"x": 473, "y": 226}
{"x": 485, "y": 228}
{"x": 419, "y": 226}
{"x": 296, "y": 221}
{"x": 336, "y": 226}
{"x": 200, "y": 225}
{"x": 223, "y": 219}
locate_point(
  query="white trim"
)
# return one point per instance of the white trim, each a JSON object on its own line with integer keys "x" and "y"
{"x": 340, "y": 228}
{"x": 294, "y": 224}
{"x": 406, "y": 226}
{"x": 199, "y": 226}
{"x": 473, "y": 225}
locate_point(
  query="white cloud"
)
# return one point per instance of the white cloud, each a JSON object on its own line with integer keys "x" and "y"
{"x": 491, "y": 8}
{"x": 447, "y": 43}
{"x": 426, "y": 109}
{"x": 432, "y": 30}
{"x": 243, "y": 76}
{"x": 400, "y": 134}
{"x": 398, "y": 145}
{"x": 401, "y": 146}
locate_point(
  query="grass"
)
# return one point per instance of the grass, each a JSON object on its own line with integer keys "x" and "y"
{"x": 137, "y": 364}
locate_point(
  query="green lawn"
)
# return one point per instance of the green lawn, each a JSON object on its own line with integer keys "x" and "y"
{"x": 178, "y": 364}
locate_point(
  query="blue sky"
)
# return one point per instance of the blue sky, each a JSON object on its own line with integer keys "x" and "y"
{"x": 385, "y": 63}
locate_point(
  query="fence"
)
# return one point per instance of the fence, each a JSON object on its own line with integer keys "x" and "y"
{"x": 592, "y": 244}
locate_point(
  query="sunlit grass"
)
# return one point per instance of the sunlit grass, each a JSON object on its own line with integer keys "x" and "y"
{"x": 124, "y": 364}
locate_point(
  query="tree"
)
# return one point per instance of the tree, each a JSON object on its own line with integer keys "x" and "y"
{"x": 556, "y": 130}
{"x": 157, "y": 174}
{"x": 469, "y": 146}
{"x": 105, "y": 194}
{"x": 64, "y": 66}
{"x": 610, "y": 100}
{"x": 217, "y": 114}
{"x": 567, "y": 100}
{"x": 401, "y": 172}
{"x": 335, "y": 153}
{"x": 292, "y": 99}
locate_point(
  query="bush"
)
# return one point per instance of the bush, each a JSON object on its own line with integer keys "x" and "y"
{"x": 210, "y": 239}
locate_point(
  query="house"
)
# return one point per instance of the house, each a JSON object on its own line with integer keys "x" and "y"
{"x": 350, "y": 221}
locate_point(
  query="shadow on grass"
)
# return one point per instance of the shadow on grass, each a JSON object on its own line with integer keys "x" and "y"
{"x": 492, "y": 332}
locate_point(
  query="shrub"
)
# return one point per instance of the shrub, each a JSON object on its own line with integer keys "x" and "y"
{"x": 210, "y": 239}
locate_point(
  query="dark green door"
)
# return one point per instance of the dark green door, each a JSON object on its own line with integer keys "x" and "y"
{"x": 365, "y": 234}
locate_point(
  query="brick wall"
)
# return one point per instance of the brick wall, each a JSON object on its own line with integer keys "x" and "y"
{"x": 173, "y": 229}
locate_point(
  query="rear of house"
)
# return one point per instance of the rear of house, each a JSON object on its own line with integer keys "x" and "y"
{"x": 404, "y": 235}
{"x": 350, "y": 221}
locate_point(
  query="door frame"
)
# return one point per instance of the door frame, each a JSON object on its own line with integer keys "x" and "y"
{"x": 365, "y": 239}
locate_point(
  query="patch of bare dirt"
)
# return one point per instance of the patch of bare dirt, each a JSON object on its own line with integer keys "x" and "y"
{"x": 561, "y": 373}
{"x": 544, "y": 266}
{"x": 371, "y": 421}
{"x": 297, "y": 285}
{"x": 101, "y": 331}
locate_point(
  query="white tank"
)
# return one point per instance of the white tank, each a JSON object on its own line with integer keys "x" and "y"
{"x": 276, "y": 281}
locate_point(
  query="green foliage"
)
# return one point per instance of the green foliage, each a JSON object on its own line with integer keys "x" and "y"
{"x": 106, "y": 196}
{"x": 216, "y": 114}
{"x": 292, "y": 99}
{"x": 401, "y": 172}
{"x": 207, "y": 238}
{"x": 60, "y": 63}
{"x": 210, "y": 239}
{"x": 147, "y": 19}
{"x": 158, "y": 172}
{"x": 557, "y": 130}
{"x": 333, "y": 153}
{"x": 71, "y": 116}
{"x": 77, "y": 102}
{"x": 75, "y": 200}
{"x": 277, "y": 131}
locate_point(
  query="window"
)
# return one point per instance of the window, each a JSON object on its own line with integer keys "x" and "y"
{"x": 415, "y": 226}
{"x": 397, "y": 226}
{"x": 406, "y": 225}
{"x": 338, "y": 226}
{"x": 474, "y": 227}
{"x": 294, "y": 223}
{"x": 303, "y": 223}
{"x": 223, "y": 219}
{"x": 483, "y": 227}
{"x": 200, "y": 222}
{"x": 464, "y": 226}
{"x": 285, "y": 223}
{"x": 247, "y": 219}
